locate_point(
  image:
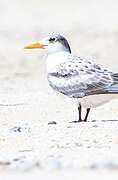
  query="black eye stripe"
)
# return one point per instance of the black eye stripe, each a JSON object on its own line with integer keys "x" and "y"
{"x": 52, "y": 39}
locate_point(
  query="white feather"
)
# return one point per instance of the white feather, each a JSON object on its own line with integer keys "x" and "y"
{"x": 53, "y": 60}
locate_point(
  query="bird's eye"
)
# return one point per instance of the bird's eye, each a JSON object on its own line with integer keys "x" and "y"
{"x": 52, "y": 39}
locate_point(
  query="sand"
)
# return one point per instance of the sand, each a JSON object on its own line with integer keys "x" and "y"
{"x": 30, "y": 148}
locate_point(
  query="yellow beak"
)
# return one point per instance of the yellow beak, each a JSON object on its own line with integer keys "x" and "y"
{"x": 34, "y": 46}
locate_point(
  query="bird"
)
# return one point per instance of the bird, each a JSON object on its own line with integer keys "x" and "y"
{"x": 81, "y": 79}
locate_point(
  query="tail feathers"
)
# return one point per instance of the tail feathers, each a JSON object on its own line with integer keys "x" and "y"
{"x": 113, "y": 89}
{"x": 115, "y": 78}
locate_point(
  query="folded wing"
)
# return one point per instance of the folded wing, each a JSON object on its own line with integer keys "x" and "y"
{"x": 78, "y": 78}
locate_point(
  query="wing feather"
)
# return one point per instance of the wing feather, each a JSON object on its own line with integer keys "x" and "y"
{"x": 77, "y": 77}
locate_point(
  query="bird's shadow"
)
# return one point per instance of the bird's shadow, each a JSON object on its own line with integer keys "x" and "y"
{"x": 106, "y": 120}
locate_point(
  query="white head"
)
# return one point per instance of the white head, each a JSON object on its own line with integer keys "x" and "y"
{"x": 53, "y": 44}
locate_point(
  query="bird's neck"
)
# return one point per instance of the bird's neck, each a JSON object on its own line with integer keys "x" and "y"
{"x": 54, "y": 60}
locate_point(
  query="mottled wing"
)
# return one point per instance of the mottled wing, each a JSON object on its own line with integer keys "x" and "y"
{"x": 77, "y": 78}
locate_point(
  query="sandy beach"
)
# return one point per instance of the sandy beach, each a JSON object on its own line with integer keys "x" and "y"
{"x": 30, "y": 148}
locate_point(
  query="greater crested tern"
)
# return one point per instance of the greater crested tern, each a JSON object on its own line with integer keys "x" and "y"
{"x": 87, "y": 82}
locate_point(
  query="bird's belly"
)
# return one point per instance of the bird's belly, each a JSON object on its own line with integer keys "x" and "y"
{"x": 93, "y": 101}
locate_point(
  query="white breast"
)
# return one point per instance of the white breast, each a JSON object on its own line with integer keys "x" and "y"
{"x": 55, "y": 59}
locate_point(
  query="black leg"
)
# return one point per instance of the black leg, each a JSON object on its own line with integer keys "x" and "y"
{"x": 80, "y": 118}
{"x": 87, "y": 113}
{"x": 80, "y": 113}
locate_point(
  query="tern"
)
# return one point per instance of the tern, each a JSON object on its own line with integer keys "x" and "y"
{"x": 90, "y": 84}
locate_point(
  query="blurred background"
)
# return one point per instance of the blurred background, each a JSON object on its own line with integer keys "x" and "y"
{"x": 91, "y": 27}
